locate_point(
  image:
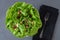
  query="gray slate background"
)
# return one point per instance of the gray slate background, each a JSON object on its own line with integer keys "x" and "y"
{"x": 4, "y": 4}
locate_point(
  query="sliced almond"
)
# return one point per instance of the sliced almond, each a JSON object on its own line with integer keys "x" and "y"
{"x": 17, "y": 25}
{"x": 14, "y": 27}
{"x": 27, "y": 26}
{"x": 19, "y": 12}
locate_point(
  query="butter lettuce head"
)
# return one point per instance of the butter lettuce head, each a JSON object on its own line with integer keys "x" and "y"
{"x": 22, "y": 19}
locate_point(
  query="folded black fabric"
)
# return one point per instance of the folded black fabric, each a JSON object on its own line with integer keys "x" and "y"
{"x": 49, "y": 29}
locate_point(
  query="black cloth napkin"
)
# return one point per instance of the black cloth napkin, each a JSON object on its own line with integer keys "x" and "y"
{"x": 50, "y": 25}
